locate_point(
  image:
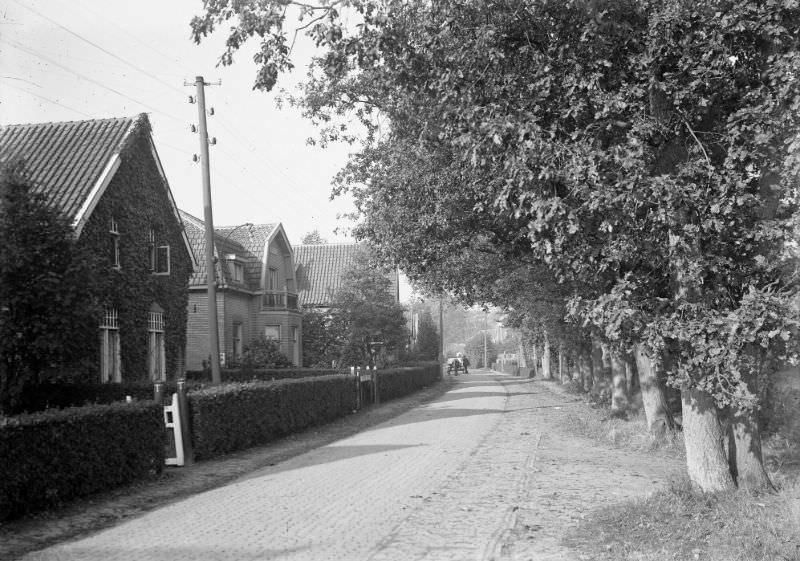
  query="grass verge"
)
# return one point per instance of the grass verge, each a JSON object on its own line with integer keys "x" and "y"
{"x": 678, "y": 523}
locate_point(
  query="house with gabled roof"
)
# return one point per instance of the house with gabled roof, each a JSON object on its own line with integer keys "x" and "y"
{"x": 320, "y": 269}
{"x": 256, "y": 291}
{"x": 106, "y": 178}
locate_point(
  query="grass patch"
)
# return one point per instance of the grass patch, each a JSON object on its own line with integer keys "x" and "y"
{"x": 678, "y": 523}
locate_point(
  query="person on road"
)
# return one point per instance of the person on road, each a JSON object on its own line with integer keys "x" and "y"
{"x": 465, "y": 362}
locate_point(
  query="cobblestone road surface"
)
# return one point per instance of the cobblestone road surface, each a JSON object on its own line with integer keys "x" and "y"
{"x": 454, "y": 479}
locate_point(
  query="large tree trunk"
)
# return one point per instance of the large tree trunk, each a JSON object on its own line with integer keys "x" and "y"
{"x": 744, "y": 452}
{"x": 744, "y": 446}
{"x": 619, "y": 389}
{"x": 659, "y": 418}
{"x": 704, "y": 439}
{"x": 535, "y": 360}
{"x": 631, "y": 376}
{"x": 601, "y": 366}
{"x": 585, "y": 369}
{"x": 561, "y": 362}
{"x": 546, "y": 374}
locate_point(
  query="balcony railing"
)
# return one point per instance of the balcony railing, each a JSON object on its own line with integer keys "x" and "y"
{"x": 274, "y": 300}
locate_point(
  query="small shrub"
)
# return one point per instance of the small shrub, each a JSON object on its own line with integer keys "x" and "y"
{"x": 262, "y": 353}
{"x": 51, "y": 457}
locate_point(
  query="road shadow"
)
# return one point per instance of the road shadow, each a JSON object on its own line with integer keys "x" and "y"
{"x": 327, "y": 455}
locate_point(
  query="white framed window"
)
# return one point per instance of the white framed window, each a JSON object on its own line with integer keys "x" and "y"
{"x": 237, "y": 339}
{"x": 155, "y": 348}
{"x": 273, "y": 332}
{"x": 294, "y": 333}
{"x": 151, "y": 249}
{"x": 113, "y": 230}
{"x": 110, "y": 370}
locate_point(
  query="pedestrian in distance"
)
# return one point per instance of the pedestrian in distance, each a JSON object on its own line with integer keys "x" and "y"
{"x": 465, "y": 362}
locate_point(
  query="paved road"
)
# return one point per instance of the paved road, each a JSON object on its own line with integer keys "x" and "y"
{"x": 410, "y": 488}
{"x": 485, "y": 472}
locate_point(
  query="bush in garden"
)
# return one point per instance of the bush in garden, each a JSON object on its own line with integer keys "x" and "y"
{"x": 263, "y": 353}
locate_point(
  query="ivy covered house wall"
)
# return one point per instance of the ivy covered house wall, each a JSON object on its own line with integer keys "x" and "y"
{"x": 105, "y": 177}
{"x": 140, "y": 207}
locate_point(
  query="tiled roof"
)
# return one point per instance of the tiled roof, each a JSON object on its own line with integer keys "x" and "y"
{"x": 66, "y": 160}
{"x": 320, "y": 268}
{"x": 246, "y": 241}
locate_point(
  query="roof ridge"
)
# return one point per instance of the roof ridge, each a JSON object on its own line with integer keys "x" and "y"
{"x": 44, "y": 123}
{"x": 326, "y": 244}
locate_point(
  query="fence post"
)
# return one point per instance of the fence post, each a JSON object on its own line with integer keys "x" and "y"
{"x": 183, "y": 416}
{"x": 377, "y": 398}
{"x": 158, "y": 392}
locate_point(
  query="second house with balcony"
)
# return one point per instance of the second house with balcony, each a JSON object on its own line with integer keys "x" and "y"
{"x": 256, "y": 291}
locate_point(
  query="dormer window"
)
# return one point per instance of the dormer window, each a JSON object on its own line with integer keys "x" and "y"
{"x": 113, "y": 231}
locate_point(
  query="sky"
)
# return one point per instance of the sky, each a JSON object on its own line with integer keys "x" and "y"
{"x": 66, "y": 60}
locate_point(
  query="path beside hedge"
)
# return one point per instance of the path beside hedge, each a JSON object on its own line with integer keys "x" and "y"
{"x": 481, "y": 472}
{"x": 85, "y": 516}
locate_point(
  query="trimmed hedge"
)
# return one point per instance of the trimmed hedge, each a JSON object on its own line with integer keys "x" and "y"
{"x": 398, "y": 382}
{"x": 262, "y": 374}
{"x": 51, "y": 457}
{"x": 60, "y": 395}
{"x": 241, "y": 415}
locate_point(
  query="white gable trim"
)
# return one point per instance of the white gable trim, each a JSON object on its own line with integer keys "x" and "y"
{"x": 96, "y": 193}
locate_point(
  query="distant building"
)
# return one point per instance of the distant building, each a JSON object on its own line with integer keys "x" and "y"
{"x": 256, "y": 291}
{"x": 320, "y": 269}
{"x": 106, "y": 178}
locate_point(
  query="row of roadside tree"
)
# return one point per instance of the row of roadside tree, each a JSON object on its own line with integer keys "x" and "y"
{"x": 620, "y": 175}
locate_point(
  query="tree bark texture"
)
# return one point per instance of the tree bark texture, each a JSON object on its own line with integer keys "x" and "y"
{"x": 619, "y": 388}
{"x": 546, "y": 373}
{"x": 601, "y": 366}
{"x": 535, "y": 360}
{"x": 744, "y": 452}
{"x": 659, "y": 417}
{"x": 705, "y": 442}
{"x": 561, "y": 363}
{"x": 585, "y": 369}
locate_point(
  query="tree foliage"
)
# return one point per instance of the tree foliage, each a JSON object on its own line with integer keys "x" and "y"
{"x": 363, "y": 312}
{"x": 48, "y": 317}
{"x": 636, "y": 162}
{"x": 313, "y": 237}
{"x": 427, "y": 337}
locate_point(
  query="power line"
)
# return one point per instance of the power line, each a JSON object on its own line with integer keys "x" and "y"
{"x": 134, "y": 37}
{"x": 54, "y": 102}
{"x": 96, "y": 46}
{"x": 87, "y": 78}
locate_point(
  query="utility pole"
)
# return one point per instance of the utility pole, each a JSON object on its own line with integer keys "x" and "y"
{"x": 211, "y": 280}
{"x": 441, "y": 338}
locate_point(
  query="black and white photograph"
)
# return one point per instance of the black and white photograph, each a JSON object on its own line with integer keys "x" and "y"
{"x": 400, "y": 280}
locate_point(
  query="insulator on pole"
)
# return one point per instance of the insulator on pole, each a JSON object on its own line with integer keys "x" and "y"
{"x": 195, "y": 158}
{"x": 193, "y": 128}
{"x": 210, "y": 110}
{"x": 192, "y": 99}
